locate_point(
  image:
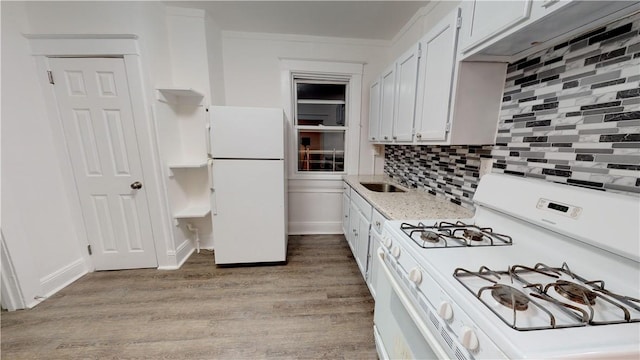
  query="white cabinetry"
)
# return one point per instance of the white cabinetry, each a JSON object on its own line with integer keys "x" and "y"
{"x": 392, "y": 100}
{"x": 491, "y": 18}
{"x": 363, "y": 231}
{"x": 346, "y": 204}
{"x": 436, "y": 79}
{"x": 387, "y": 98}
{"x": 405, "y": 98}
{"x": 442, "y": 100}
{"x": 375, "y": 241}
{"x": 181, "y": 127}
{"x": 374, "y": 110}
{"x": 510, "y": 30}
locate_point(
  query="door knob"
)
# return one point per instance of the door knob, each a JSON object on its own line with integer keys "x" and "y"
{"x": 136, "y": 185}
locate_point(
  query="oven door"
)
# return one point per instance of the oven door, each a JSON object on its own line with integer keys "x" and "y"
{"x": 399, "y": 331}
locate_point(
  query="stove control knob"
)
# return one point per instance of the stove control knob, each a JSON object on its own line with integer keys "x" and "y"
{"x": 445, "y": 311}
{"x": 415, "y": 275}
{"x": 387, "y": 242}
{"x": 395, "y": 252}
{"x": 469, "y": 339}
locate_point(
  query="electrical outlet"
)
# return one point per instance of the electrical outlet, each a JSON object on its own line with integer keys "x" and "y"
{"x": 485, "y": 166}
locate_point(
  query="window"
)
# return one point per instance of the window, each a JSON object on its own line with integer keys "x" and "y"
{"x": 320, "y": 124}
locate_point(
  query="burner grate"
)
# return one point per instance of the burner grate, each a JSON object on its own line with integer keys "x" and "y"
{"x": 542, "y": 297}
{"x": 445, "y": 234}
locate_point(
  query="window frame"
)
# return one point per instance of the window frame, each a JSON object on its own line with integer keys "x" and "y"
{"x": 321, "y": 69}
{"x": 307, "y": 79}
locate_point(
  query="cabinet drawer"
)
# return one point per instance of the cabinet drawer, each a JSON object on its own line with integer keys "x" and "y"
{"x": 346, "y": 189}
{"x": 362, "y": 204}
{"x": 377, "y": 221}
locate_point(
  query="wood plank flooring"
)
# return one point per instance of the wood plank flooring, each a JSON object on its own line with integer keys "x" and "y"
{"x": 315, "y": 307}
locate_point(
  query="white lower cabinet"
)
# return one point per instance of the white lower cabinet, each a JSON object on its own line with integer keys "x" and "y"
{"x": 375, "y": 241}
{"x": 363, "y": 232}
{"x": 346, "y": 204}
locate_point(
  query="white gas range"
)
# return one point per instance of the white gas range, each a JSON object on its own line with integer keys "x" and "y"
{"x": 543, "y": 270}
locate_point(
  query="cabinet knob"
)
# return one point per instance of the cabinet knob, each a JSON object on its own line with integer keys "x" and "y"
{"x": 386, "y": 138}
{"x": 395, "y": 138}
{"x": 373, "y": 138}
{"x": 418, "y": 135}
{"x": 378, "y": 223}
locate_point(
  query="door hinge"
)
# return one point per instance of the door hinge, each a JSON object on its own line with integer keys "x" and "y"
{"x": 448, "y": 126}
{"x": 458, "y": 22}
{"x": 419, "y": 51}
{"x": 89, "y": 250}
{"x": 50, "y": 76}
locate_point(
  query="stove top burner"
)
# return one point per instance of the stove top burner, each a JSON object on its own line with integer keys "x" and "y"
{"x": 529, "y": 304}
{"x": 473, "y": 235}
{"x": 510, "y": 297}
{"x": 430, "y": 236}
{"x": 574, "y": 292}
{"x": 445, "y": 234}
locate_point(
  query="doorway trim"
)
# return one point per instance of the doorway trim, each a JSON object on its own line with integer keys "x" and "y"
{"x": 126, "y": 47}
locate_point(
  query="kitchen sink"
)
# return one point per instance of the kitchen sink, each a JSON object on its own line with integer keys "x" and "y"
{"x": 382, "y": 187}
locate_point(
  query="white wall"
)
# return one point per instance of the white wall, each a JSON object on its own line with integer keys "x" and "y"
{"x": 38, "y": 223}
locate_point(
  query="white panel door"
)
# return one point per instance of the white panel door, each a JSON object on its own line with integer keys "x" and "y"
{"x": 95, "y": 107}
{"x": 435, "y": 80}
{"x": 247, "y": 133}
{"x": 248, "y": 211}
{"x": 406, "y": 79}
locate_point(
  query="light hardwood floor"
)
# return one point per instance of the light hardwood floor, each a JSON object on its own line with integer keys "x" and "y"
{"x": 315, "y": 307}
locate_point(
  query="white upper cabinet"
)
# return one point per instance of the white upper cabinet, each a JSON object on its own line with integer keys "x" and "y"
{"x": 406, "y": 78}
{"x": 487, "y": 19}
{"x": 387, "y": 98}
{"x": 509, "y": 30}
{"x": 435, "y": 80}
{"x": 374, "y": 110}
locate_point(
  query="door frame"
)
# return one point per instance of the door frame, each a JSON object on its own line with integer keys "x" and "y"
{"x": 123, "y": 46}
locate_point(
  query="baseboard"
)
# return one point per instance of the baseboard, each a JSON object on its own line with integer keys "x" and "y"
{"x": 61, "y": 278}
{"x": 315, "y": 227}
{"x": 183, "y": 251}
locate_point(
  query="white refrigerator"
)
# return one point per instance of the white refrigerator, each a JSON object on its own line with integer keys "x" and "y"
{"x": 248, "y": 187}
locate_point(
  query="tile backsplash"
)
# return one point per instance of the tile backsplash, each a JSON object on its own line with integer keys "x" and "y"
{"x": 446, "y": 171}
{"x": 570, "y": 114}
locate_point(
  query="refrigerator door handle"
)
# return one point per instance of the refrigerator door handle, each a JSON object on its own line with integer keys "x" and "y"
{"x": 214, "y": 207}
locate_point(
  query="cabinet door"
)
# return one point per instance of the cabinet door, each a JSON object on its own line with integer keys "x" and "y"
{"x": 362, "y": 244}
{"x": 487, "y": 19}
{"x": 387, "y": 93}
{"x": 346, "y": 204}
{"x": 372, "y": 268}
{"x": 435, "y": 80}
{"x": 405, "y": 101}
{"x": 374, "y": 111}
{"x": 353, "y": 226}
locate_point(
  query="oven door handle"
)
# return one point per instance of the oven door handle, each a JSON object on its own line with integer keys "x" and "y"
{"x": 431, "y": 340}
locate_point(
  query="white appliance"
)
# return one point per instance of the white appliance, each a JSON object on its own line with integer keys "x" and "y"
{"x": 248, "y": 187}
{"x": 542, "y": 271}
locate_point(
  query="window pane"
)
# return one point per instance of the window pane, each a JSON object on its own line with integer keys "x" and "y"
{"x": 321, "y": 91}
{"x": 321, "y": 114}
{"x": 320, "y": 150}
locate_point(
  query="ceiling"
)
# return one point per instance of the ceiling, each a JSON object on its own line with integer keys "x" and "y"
{"x": 376, "y": 20}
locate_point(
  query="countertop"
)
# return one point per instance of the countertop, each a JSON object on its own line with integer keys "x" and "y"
{"x": 412, "y": 204}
